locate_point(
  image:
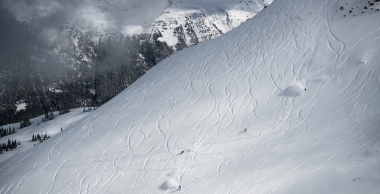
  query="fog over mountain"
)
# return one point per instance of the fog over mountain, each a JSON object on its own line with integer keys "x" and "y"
{"x": 58, "y": 55}
{"x": 102, "y": 15}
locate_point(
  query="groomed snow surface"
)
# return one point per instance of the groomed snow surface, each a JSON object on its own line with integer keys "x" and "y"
{"x": 231, "y": 115}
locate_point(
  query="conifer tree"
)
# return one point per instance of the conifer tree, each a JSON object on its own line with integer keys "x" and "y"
{"x": 9, "y": 146}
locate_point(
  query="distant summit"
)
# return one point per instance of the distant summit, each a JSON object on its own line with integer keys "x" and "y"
{"x": 186, "y": 22}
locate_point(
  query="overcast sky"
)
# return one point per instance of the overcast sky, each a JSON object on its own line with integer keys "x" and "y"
{"x": 27, "y": 25}
{"x": 101, "y": 15}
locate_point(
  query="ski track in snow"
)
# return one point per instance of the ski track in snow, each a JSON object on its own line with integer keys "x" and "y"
{"x": 192, "y": 130}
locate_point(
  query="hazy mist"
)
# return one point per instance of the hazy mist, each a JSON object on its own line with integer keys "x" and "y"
{"x": 29, "y": 28}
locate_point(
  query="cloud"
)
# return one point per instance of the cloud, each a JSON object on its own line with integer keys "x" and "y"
{"x": 44, "y": 22}
{"x": 131, "y": 30}
{"x": 100, "y": 15}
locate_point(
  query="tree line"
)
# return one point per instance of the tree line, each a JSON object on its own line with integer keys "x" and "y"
{"x": 89, "y": 73}
{"x": 40, "y": 138}
{"x": 7, "y": 131}
{"x": 12, "y": 144}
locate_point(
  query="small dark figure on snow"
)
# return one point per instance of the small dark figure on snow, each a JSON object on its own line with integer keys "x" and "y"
{"x": 181, "y": 152}
{"x": 179, "y": 187}
{"x": 305, "y": 89}
{"x": 245, "y": 130}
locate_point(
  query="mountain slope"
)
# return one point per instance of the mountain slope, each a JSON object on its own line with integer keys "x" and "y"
{"x": 80, "y": 38}
{"x": 231, "y": 115}
{"x": 190, "y": 22}
{"x": 51, "y": 128}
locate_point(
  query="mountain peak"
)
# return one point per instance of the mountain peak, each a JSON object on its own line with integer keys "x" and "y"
{"x": 191, "y": 22}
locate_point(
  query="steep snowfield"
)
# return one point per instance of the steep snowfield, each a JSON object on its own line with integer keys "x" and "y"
{"x": 231, "y": 115}
{"x": 200, "y": 20}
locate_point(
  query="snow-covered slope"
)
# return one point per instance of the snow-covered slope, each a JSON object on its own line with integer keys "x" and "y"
{"x": 196, "y": 21}
{"x": 51, "y": 128}
{"x": 231, "y": 115}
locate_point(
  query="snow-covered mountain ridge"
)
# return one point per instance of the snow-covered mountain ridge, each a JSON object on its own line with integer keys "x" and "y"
{"x": 191, "y": 22}
{"x": 288, "y": 102}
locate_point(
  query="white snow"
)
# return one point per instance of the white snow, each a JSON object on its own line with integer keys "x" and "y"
{"x": 20, "y": 106}
{"x": 52, "y": 128}
{"x": 170, "y": 184}
{"x": 208, "y": 18}
{"x": 294, "y": 90}
{"x": 184, "y": 121}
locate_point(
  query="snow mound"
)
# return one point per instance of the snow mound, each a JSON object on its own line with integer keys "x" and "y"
{"x": 171, "y": 183}
{"x": 294, "y": 90}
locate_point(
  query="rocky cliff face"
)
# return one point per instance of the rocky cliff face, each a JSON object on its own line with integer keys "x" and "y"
{"x": 190, "y": 22}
